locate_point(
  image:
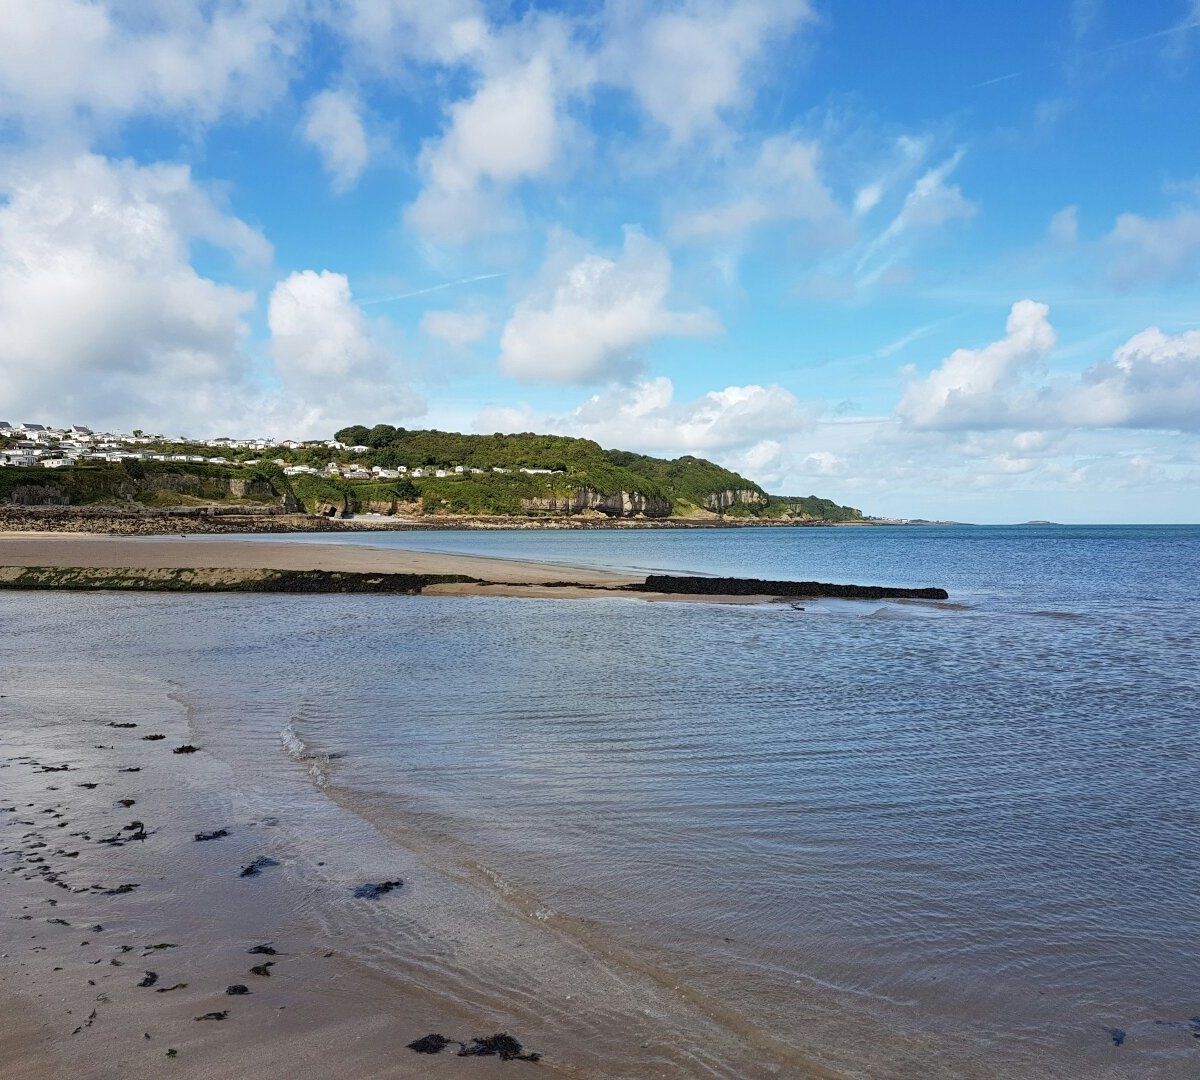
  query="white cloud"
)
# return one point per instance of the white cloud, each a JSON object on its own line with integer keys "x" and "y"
{"x": 1151, "y": 382}
{"x": 783, "y": 184}
{"x": 66, "y": 60}
{"x": 317, "y": 331}
{"x": 508, "y": 131}
{"x": 600, "y": 313}
{"x": 1155, "y": 249}
{"x": 385, "y": 31}
{"x": 931, "y": 203}
{"x": 691, "y": 65}
{"x": 512, "y": 129}
{"x": 1064, "y": 227}
{"x": 647, "y": 416}
{"x": 455, "y": 328}
{"x": 332, "y": 124}
{"x": 968, "y": 390}
{"x": 336, "y": 367}
{"x": 101, "y": 312}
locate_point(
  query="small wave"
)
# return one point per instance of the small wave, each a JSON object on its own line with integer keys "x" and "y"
{"x": 318, "y": 762}
{"x": 1058, "y": 614}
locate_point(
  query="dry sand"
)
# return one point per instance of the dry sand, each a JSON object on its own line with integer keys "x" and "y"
{"x": 499, "y": 577}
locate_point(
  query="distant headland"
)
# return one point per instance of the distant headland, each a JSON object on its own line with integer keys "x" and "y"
{"x": 77, "y": 479}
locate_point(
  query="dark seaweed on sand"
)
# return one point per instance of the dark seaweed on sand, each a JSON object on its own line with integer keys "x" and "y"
{"x": 373, "y": 891}
{"x": 258, "y": 866}
{"x": 501, "y": 1045}
{"x": 430, "y": 1044}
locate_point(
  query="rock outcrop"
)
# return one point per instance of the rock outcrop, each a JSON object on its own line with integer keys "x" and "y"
{"x": 622, "y": 504}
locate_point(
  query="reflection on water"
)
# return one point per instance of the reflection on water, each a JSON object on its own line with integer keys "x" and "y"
{"x": 969, "y": 829}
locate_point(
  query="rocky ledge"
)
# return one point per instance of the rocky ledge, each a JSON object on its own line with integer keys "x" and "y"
{"x": 212, "y": 579}
{"x": 719, "y": 586}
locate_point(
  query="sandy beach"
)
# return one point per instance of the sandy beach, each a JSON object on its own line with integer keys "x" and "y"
{"x": 498, "y": 577}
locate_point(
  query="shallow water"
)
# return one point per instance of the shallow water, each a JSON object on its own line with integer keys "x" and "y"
{"x": 902, "y": 839}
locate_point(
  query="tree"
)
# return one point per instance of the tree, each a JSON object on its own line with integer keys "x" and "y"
{"x": 354, "y": 435}
{"x": 380, "y": 436}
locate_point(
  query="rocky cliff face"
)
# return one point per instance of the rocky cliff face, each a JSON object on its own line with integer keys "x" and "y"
{"x": 720, "y": 501}
{"x": 66, "y": 489}
{"x": 622, "y": 504}
{"x": 37, "y": 495}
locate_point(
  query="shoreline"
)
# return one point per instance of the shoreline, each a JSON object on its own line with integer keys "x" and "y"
{"x": 122, "y": 521}
{"x": 120, "y": 944}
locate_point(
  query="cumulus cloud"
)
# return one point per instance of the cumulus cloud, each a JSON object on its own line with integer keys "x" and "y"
{"x": 969, "y": 388}
{"x": 1151, "y": 382}
{"x": 1155, "y": 249}
{"x": 746, "y": 428}
{"x": 692, "y": 64}
{"x": 101, "y": 312}
{"x": 332, "y": 124}
{"x": 66, "y": 60}
{"x": 337, "y": 365}
{"x": 598, "y": 316}
{"x": 455, "y": 328}
{"x": 510, "y": 130}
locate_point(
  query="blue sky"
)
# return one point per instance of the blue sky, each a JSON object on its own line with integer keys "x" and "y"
{"x": 935, "y": 259}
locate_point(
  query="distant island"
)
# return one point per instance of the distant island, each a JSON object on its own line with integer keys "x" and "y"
{"x": 388, "y": 472}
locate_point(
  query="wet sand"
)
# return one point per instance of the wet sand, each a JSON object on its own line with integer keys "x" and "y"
{"x": 120, "y": 931}
{"x": 103, "y": 980}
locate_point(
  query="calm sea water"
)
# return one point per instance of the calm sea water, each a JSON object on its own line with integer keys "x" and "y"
{"x": 908, "y": 840}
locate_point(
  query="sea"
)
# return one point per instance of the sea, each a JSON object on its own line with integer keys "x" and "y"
{"x": 882, "y": 839}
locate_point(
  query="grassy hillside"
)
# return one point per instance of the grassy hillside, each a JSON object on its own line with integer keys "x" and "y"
{"x": 582, "y": 475}
{"x": 149, "y": 483}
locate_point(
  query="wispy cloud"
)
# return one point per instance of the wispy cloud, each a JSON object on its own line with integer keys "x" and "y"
{"x": 430, "y": 289}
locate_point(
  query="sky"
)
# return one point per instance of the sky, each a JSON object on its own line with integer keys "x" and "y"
{"x": 933, "y": 259}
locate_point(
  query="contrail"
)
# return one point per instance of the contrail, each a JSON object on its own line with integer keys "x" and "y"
{"x": 998, "y": 79}
{"x": 432, "y": 288}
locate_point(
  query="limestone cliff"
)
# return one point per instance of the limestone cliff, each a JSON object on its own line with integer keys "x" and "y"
{"x": 720, "y": 501}
{"x": 622, "y": 504}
